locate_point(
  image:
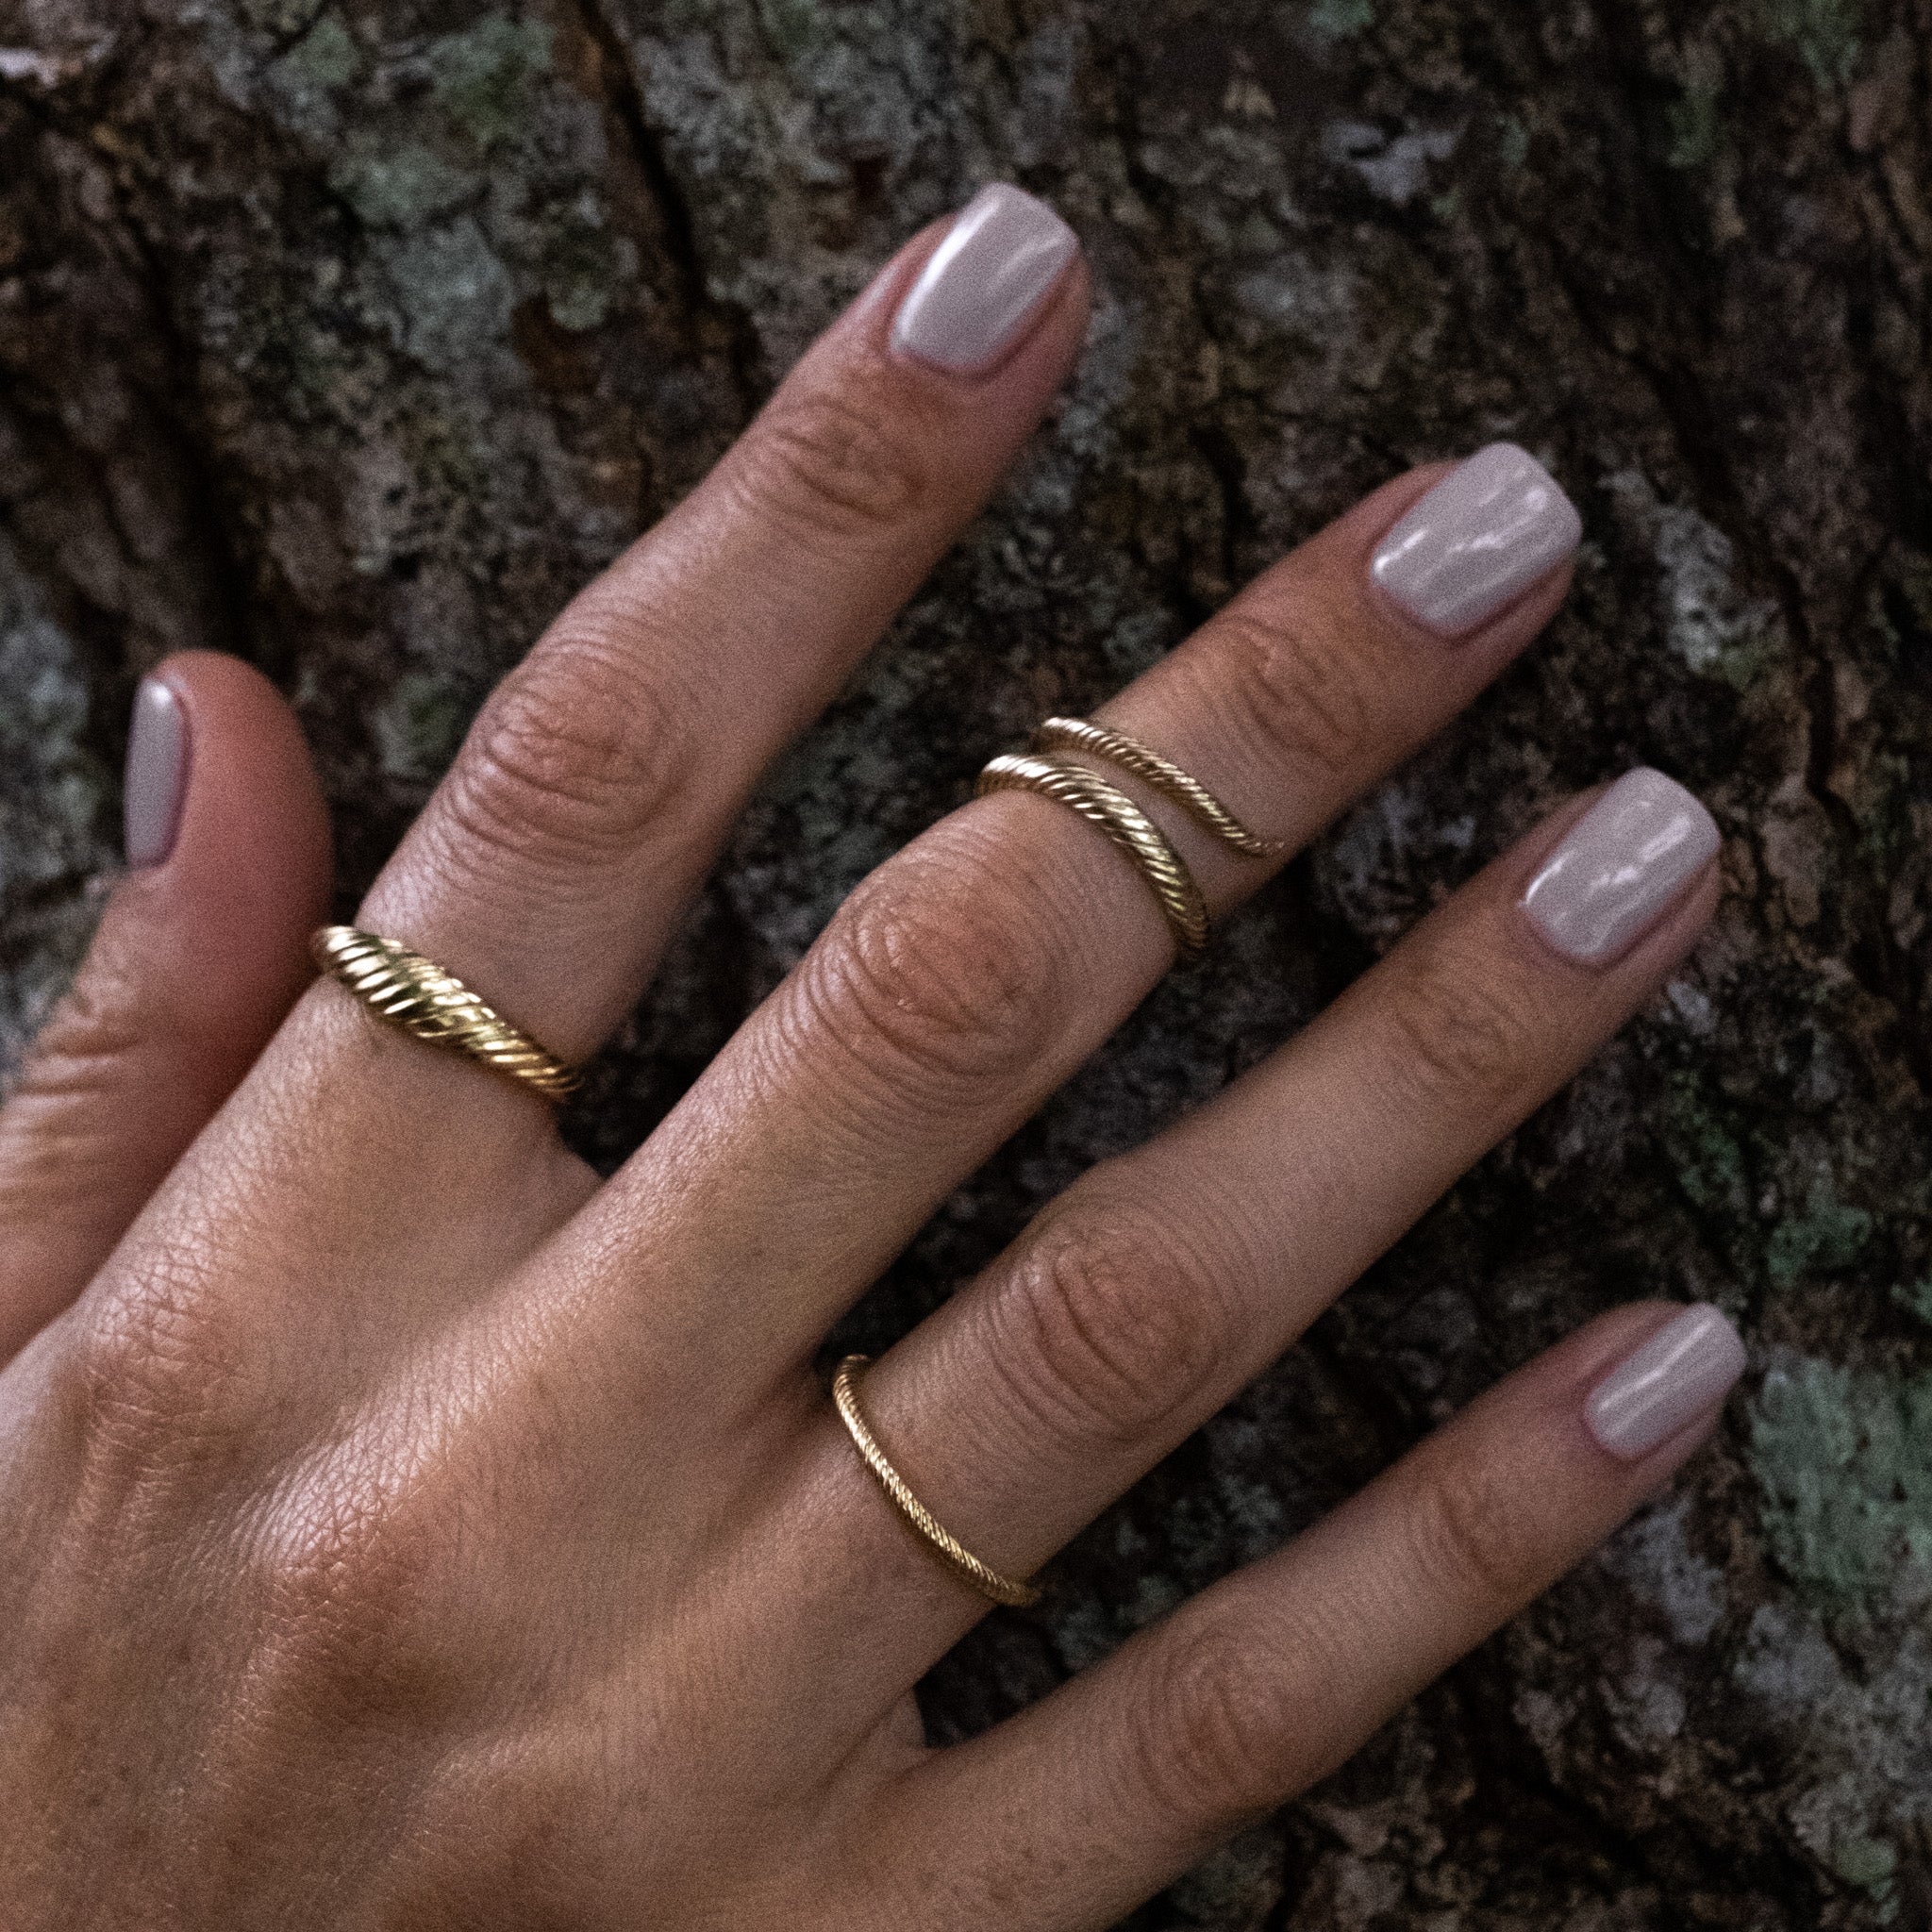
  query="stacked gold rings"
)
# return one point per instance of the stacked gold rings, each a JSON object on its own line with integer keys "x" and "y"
{"x": 421, "y": 998}
{"x": 1104, "y": 805}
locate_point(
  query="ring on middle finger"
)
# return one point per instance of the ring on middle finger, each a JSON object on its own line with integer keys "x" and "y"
{"x": 1104, "y": 803}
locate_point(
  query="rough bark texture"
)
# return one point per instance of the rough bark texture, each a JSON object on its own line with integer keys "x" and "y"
{"x": 351, "y": 336}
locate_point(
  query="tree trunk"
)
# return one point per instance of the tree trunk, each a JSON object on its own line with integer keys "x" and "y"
{"x": 351, "y": 336}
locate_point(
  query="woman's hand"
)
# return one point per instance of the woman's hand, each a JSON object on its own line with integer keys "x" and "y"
{"x": 400, "y": 1528}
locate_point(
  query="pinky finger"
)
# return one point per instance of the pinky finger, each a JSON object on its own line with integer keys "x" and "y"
{"x": 1070, "y": 1815}
{"x": 199, "y": 956}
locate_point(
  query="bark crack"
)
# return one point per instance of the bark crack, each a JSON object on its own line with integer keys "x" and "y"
{"x": 731, "y": 327}
{"x": 220, "y": 573}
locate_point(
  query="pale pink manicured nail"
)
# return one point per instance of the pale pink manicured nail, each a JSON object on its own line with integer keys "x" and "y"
{"x": 1683, "y": 1372}
{"x": 984, "y": 284}
{"x": 1619, "y": 868}
{"x": 1478, "y": 541}
{"x": 157, "y": 779}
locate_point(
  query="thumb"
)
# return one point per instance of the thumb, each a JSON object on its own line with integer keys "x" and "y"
{"x": 199, "y": 957}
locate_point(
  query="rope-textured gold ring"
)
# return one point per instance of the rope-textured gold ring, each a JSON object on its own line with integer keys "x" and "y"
{"x": 1104, "y": 803}
{"x": 937, "y": 1538}
{"x": 1107, "y": 805}
{"x": 1130, "y": 754}
{"x": 419, "y": 996}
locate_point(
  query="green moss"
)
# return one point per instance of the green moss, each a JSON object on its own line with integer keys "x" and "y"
{"x": 1845, "y": 1463}
{"x": 1512, "y": 141}
{"x": 1709, "y": 1157}
{"x": 1694, "y": 127}
{"x": 326, "y": 56}
{"x": 482, "y": 75}
{"x": 1713, "y": 624}
{"x": 404, "y": 188}
{"x": 1829, "y": 1234}
{"x": 792, "y": 26}
{"x": 454, "y": 292}
{"x": 1916, "y": 1297}
{"x": 1336, "y": 19}
{"x": 443, "y": 455}
{"x": 420, "y": 725}
{"x": 1826, "y": 34}
{"x": 58, "y": 793}
{"x": 582, "y": 270}
{"x": 1868, "y": 1863}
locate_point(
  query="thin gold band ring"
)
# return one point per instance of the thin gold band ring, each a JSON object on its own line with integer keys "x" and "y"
{"x": 419, "y": 996}
{"x": 1012, "y": 1591}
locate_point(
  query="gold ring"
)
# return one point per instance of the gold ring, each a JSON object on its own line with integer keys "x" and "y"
{"x": 1143, "y": 762}
{"x": 1107, "y": 805}
{"x": 1104, "y": 803}
{"x": 981, "y": 1577}
{"x": 419, "y": 996}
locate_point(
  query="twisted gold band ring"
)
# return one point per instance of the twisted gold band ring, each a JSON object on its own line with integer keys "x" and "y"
{"x": 419, "y": 996}
{"x": 1107, "y": 805}
{"x": 941, "y": 1542}
{"x": 1104, "y": 803}
{"x": 1143, "y": 762}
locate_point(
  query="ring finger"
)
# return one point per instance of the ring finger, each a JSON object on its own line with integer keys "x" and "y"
{"x": 1164, "y": 1279}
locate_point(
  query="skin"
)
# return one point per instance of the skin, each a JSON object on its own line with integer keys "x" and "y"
{"x": 400, "y": 1528}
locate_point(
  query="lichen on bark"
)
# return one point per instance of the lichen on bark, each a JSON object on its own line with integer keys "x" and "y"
{"x": 351, "y": 335}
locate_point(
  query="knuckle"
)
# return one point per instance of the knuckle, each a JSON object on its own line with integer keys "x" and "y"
{"x": 91, "y": 1033}
{"x": 348, "y": 1570}
{"x": 153, "y": 1374}
{"x": 574, "y": 756}
{"x": 932, "y": 975}
{"x": 827, "y": 465}
{"x": 1295, "y": 687}
{"x": 1209, "y": 1741}
{"x": 1468, "y": 1531}
{"x": 69, "y": 1100}
{"x": 1107, "y": 1324}
{"x": 1462, "y": 1035}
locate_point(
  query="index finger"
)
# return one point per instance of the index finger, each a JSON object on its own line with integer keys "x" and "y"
{"x": 594, "y": 788}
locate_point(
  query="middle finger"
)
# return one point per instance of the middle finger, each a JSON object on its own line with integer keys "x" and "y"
{"x": 972, "y": 975}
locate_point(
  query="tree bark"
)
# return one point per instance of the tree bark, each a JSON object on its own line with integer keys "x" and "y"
{"x": 351, "y": 337}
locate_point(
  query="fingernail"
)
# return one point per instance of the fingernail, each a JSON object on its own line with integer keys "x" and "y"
{"x": 1619, "y": 868}
{"x": 156, "y": 773}
{"x": 1683, "y": 1372}
{"x": 982, "y": 287}
{"x": 1478, "y": 541}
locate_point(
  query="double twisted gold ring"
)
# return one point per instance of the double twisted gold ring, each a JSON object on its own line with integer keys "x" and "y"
{"x": 1102, "y": 803}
